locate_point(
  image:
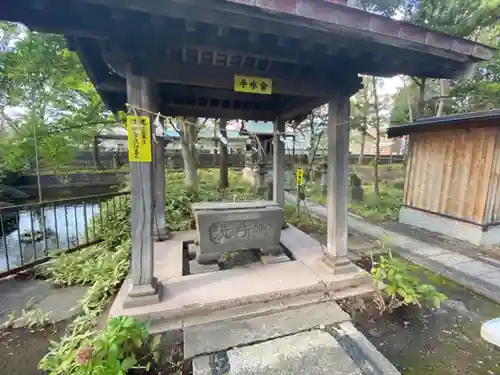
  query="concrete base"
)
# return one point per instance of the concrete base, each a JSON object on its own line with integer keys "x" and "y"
{"x": 140, "y": 295}
{"x": 193, "y": 297}
{"x": 450, "y": 227}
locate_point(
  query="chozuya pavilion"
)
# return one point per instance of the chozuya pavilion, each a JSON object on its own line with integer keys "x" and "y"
{"x": 189, "y": 58}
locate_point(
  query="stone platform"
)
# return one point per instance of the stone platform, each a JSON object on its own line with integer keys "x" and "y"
{"x": 190, "y": 299}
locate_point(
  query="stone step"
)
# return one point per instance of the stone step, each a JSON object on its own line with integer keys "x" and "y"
{"x": 315, "y": 352}
{"x": 221, "y": 335}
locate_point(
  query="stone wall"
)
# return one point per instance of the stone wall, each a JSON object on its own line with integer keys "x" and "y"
{"x": 115, "y": 160}
{"x": 73, "y": 179}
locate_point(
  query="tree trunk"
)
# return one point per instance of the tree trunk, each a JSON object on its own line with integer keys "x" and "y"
{"x": 216, "y": 144}
{"x": 312, "y": 139}
{"x": 363, "y": 144}
{"x": 408, "y": 101}
{"x": 95, "y": 154}
{"x": 189, "y": 135}
{"x": 410, "y": 118}
{"x": 421, "y": 98}
{"x": 377, "y": 140}
{"x": 443, "y": 91}
{"x": 364, "y": 129}
{"x": 224, "y": 172}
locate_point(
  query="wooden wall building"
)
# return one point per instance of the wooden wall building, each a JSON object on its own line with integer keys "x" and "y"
{"x": 452, "y": 183}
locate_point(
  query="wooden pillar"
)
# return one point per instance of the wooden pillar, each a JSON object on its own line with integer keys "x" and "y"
{"x": 159, "y": 225}
{"x": 337, "y": 193}
{"x": 144, "y": 288}
{"x": 279, "y": 164}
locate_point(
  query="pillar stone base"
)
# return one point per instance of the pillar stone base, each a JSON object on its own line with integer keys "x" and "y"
{"x": 340, "y": 264}
{"x": 162, "y": 234}
{"x": 144, "y": 294}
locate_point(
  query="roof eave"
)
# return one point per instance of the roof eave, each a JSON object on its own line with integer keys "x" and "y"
{"x": 429, "y": 123}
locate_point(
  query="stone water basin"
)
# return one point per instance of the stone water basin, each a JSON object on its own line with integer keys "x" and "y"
{"x": 224, "y": 227}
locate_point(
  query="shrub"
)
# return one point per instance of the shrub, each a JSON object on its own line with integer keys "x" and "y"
{"x": 393, "y": 279}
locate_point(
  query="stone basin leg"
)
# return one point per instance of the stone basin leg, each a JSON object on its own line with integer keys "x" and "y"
{"x": 273, "y": 250}
{"x": 208, "y": 258}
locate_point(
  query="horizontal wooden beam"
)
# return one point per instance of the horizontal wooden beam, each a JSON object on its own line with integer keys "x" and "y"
{"x": 117, "y": 84}
{"x": 193, "y": 74}
{"x": 217, "y": 112}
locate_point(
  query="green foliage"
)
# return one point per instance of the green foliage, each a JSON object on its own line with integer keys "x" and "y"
{"x": 482, "y": 91}
{"x": 384, "y": 7}
{"x": 476, "y": 20}
{"x": 393, "y": 279}
{"x": 45, "y": 90}
{"x": 462, "y": 18}
{"x": 384, "y": 207}
{"x": 114, "y": 351}
{"x": 304, "y": 220}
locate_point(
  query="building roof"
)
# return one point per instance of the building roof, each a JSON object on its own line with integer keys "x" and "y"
{"x": 490, "y": 117}
{"x": 208, "y": 134}
{"x": 193, "y": 49}
{"x": 259, "y": 127}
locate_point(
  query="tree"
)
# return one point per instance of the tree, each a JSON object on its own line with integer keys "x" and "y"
{"x": 360, "y": 113}
{"x": 223, "y": 168}
{"x": 377, "y": 137}
{"x": 461, "y": 18}
{"x": 482, "y": 91}
{"x": 188, "y": 133}
{"x": 52, "y": 96}
{"x": 313, "y": 128}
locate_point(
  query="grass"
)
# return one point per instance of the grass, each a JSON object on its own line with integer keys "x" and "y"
{"x": 373, "y": 207}
{"x": 378, "y": 208}
{"x": 303, "y": 220}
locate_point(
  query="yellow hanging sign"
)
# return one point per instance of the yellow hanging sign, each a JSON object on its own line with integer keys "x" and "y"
{"x": 139, "y": 139}
{"x": 299, "y": 176}
{"x": 253, "y": 85}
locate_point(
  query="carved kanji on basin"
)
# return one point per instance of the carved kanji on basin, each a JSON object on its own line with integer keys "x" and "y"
{"x": 233, "y": 226}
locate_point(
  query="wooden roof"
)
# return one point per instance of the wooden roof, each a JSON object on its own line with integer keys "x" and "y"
{"x": 469, "y": 120}
{"x": 193, "y": 49}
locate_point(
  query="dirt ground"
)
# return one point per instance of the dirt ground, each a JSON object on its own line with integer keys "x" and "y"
{"x": 443, "y": 341}
{"x": 425, "y": 341}
{"x": 22, "y": 349}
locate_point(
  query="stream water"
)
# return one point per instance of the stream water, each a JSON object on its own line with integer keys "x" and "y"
{"x": 67, "y": 226}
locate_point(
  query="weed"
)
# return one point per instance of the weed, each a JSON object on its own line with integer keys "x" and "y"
{"x": 34, "y": 318}
{"x": 393, "y": 279}
{"x": 10, "y": 321}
